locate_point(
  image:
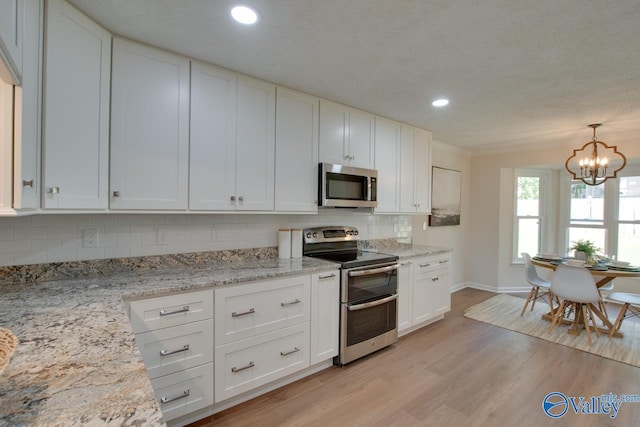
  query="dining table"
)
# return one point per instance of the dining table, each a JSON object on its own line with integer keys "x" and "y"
{"x": 603, "y": 274}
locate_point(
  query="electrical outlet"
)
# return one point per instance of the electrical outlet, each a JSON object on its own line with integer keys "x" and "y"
{"x": 90, "y": 238}
{"x": 424, "y": 225}
{"x": 162, "y": 238}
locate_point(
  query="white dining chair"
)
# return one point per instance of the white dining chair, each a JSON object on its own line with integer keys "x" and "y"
{"x": 539, "y": 286}
{"x": 576, "y": 287}
{"x": 630, "y": 303}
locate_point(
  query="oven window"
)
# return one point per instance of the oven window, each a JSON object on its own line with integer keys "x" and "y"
{"x": 370, "y": 322}
{"x": 346, "y": 187}
{"x": 372, "y": 285}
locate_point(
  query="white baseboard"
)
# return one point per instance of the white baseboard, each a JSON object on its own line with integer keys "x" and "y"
{"x": 483, "y": 287}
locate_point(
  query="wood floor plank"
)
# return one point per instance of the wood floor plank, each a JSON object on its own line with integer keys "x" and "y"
{"x": 454, "y": 372}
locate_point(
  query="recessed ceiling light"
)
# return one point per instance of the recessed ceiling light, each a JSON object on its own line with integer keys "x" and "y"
{"x": 440, "y": 102}
{"x": 244, "y": 14}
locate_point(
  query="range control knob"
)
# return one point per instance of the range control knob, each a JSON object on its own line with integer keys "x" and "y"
{"x": 355, "y": 232}
{"x": 315, "y": 234}
{"x": 308, "y": 235}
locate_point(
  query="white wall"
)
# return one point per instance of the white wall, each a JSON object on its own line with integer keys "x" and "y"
{"x": 55, "y": 238}
{"x": 490, "y": 237}
{"x": 454, "y": 237}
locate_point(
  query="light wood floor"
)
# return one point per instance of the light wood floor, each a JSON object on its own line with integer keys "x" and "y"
{"x": 456, "y": 372}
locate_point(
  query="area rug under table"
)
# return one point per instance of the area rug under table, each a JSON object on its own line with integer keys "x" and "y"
{"x": 504, "y": 311}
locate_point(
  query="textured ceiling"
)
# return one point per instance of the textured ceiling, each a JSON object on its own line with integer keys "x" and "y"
{"x": 516, "y": 72}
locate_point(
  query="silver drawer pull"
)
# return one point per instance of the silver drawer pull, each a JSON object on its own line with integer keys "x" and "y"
{"x": 26, "y": 183}
{"x": 250, "y": 365}
{"x": 184, "y": 309}
{"x": 286, "y": 353}
{"x": 406, "y": 263}
{"x": 425, "y": 265}
{"x": 166, "y": 353}
{"x": 244, "y": 313}
{"x": 285, "y": 304}
{"x": 329, "y": 276}
{"x": 443, "y": 261}
{"x": 435, "y": 279}
{"x": 171, "y": 399}
{"x": 53, "y": 190}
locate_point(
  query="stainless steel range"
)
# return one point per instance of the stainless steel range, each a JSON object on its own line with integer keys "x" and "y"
{"x": 368, "y": 290}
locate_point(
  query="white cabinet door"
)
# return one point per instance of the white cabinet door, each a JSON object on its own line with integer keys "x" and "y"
{"x": 149, "y": 128}
{"x": 11, "y": 51}
{"x": 296, "y": 152}
{"x": 405, "y": 288}
{"x": 255, "y": 139}
{"x": 415, "y": 167}
{"x": 441, "y": 290}
{"x": 325, "y": 316}
{"x": 26, "y": 157}
{"x": 422, "y": 308}
{"x": 212, "y": 146}
{"x": 6, "y": 145}
{"x": 346, "y": 135}
{"x": 360, "y": 133}
{"x": 387, "y": 163}
{"x": 76, "y": 110}
{"x": 333, "y": 134}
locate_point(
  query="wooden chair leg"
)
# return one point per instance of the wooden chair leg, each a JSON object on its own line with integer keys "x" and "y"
{"x": 559, "y": 313}
{"x": 550, "y": 295}
{"x": 535, "y": 297}
{"x": 602, "y": 305}
{"x": 618, "y": 322}
{"x": 586, "y": 322}
{"x": 593, "y": 319}
{"x": 528, "y": 299}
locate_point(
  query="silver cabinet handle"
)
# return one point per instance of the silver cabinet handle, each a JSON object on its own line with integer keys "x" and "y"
{"x": 241, "y": 199}
{"x": 171, "y": 399}
{"x": 295, "y": 301}
{"x": 232, "y": 198}
{"x": 328, "y": 276}
{"x": 406, "y": 263}
{"x": 184, "y": 309}
{"x": 180, "y": 350}
{"x": 116, "y": 194}
{"x": 244, "y": 313}
{"x": 372, "y": 303}
{"x": 286, "y": 353}
{"x": 425, "y": 265}
{"x": 250, "y": 365}
{"x": 373, "y": 271}
{"x": 53, "y": 190}
{"x": 347, "y": 157}
{"x": 435, "y": 279}
{"x": 443, "y": 261}
{"x": 27, "y": 183}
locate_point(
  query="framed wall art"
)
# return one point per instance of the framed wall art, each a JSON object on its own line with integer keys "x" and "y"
{"x": 445, "y": 197}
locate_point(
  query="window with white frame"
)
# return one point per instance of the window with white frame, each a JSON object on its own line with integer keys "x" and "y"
{"x": 529, "y": 219}
{"x": 628, "y": 219}
{"x": 586, "y": 214}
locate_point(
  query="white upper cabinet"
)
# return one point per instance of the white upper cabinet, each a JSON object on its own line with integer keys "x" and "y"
{"x": 11, "y": 39}
{"x": 387, "y": 156}
{"x": 76, "y": 110}
{"x": 6, "y": 145}
{"x": 346, "y": 135}
{"x": 149, "y": 128}
{"x": 232, "y": 141}
{"x": 415, "y": 170}
{"x": 296, "y": 152}
{"x": 27, "y": 113}
{"x": 212, "y": 164}
{"x": 255, "y": 153}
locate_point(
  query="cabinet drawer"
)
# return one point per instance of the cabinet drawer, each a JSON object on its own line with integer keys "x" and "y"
{"x": 245, "y": 311}
{"x": 173, "y": 349}
{"x": 170, "y": 310}
{"x": 185, "y": 391}
{"x": 425, "y": 265}
{"x": 244, "y": 365}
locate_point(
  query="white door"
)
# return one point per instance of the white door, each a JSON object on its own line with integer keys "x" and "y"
{"x": 361, "y": 150}
{"x": 387, "y": 163}
{"x": 296, "y": 152}
{"x": 334, "y": 124}
{"x": 255, "y": 139}
{"x": 212, "y": 145}
{"x": 149, "y": 128}
{"x": 75, "y": 139}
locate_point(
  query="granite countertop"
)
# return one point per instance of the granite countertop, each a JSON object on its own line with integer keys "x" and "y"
{"x": 77, "y": 362}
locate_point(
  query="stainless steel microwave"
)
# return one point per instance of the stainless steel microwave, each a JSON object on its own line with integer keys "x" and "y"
{"x": 347, "y": 187}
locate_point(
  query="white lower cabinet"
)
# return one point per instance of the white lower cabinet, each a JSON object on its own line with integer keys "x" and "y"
{"x": 174, "y": 334}
{"x": 425, "y": 291}
{"x": 246, "y": 364}
{"x": 325, "y": 316}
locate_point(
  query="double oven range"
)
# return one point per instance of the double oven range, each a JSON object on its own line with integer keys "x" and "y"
{"x": 368, "y": 290}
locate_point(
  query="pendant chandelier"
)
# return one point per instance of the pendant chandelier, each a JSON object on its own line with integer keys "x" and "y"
{"x": 595, "y": 162}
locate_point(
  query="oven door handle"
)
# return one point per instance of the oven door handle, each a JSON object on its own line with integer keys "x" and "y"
{"x": 372, "y": 303}
{"x": 374, "y": 270}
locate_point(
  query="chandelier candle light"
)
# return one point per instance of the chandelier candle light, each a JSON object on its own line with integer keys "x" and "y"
{"x": 594, "y": 167}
